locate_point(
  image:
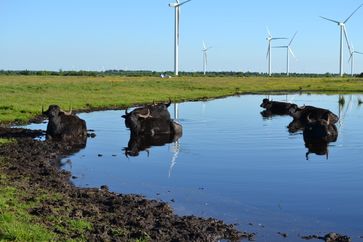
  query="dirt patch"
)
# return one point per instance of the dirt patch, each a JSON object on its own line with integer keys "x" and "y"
{"x": 33, "y": 166}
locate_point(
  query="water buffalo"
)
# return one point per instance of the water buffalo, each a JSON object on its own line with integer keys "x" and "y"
{"x": 318, "y": 134}
{"x": 155, "y": 110}
{"x": 64, "y": 125}
{"x": 321, "y": 130}
{"x": 151, "y": 120}
{"x": 301, "y": 113}
{"x": 274, "y": 107}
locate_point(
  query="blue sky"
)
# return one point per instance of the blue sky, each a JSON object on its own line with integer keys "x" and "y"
{"x": 134, "y": 35}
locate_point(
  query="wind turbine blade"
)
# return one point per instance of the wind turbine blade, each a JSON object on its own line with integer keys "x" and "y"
{"x": 177, "y": 1}
{"x": 350, "y": 57}
{"x": 179, "y": 4}
{"x": 204, "y": 46}
{"x": 206, "y": 58}
{"x": 331, "y": 20}
{"x": 268, "y": 50}
{"x": 353, "y": 13}
{"x": 292, "y": 53}
{"x": 268, "y": 31}
{"x": 278, "y": 38}
{"x": 210, "y": 47}
{"x": 346, "y": 39}
{"x": 361, "y": 53}
{"x": 281, "y": 46}
{"x": 293, "y": 37}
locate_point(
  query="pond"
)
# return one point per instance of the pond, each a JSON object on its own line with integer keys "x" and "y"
{"x": 233, "y": 164}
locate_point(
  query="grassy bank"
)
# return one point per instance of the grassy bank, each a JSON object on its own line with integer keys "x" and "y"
{"x": 21, "y": 97}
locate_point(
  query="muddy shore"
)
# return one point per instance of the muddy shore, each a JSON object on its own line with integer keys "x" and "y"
{"x": 33, "y": 166}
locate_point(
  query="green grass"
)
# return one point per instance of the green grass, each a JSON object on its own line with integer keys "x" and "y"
{"x": 22, "y": 97}
{"x": 15, "y": 222}
{"x": 4, "y": 141}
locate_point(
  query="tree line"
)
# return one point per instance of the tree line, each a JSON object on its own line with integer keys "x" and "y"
{"x": 140, "y": 73}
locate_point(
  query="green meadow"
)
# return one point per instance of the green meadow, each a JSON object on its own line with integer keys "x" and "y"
{"x": 22, "y": 97}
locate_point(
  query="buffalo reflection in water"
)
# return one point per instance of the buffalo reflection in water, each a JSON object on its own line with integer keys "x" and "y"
{"x": 139, "y": 143}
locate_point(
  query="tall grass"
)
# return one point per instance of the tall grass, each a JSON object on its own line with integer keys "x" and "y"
{"x": 21, "y": 97}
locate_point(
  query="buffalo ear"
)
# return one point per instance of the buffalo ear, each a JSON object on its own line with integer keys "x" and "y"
{"x": 123, "y": 116}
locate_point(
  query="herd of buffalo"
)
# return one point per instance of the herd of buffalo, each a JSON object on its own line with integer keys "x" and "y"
{"x": 317, "y": 124}
{"x": 151, "y": 125}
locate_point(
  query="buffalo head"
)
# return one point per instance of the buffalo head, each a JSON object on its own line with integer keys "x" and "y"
{"x": 265, "y": 103}
{"x": 54, "y": 111}
{"x": 320, "y": 130}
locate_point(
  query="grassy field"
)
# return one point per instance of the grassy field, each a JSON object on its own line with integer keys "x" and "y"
{"x": 22, "y": 97}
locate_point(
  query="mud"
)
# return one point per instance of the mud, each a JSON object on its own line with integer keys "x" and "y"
{"x": 33, "y": 166}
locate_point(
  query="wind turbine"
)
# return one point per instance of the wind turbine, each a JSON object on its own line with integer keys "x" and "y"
{"x": 288, "y": 50}
{"x": 176, "y": 34}
{"x": 205, "y": 57}
{"x": 269, "y": 39}
{"x": 351, "y": 58}
{"x": 342, "y": 32}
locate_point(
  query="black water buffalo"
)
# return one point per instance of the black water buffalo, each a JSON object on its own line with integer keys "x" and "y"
{"x": 274, "y": 107}
{"x": 151, "y": 120}
{"x": 138, "y": 143}
{"x": 65, "y": 126}
{"x": 318, "y": 134}
{"x": 321, "y": 130}
{"x": 155, "y": 110}
{"x": 301, "y": 113}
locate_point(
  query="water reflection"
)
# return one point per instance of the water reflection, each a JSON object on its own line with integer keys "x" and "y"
{"x": 142, "y": 142}
{"x": 175, "y": 149}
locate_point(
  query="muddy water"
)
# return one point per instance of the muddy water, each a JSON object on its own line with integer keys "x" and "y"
{"x": 235, "y": 165}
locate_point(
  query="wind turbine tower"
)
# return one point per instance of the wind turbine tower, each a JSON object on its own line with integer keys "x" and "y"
{"x": 270, "y": 39}
{"x": 176, "y": 6}
{"x": 288, "y": 52}
{"x": 205, "y": 57}
{"x": 351, "y": 59}
{"x": 342, "y": 32}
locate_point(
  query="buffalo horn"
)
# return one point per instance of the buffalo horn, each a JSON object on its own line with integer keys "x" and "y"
{"x": 303, "y": 107}
{"x": 328, "y": 120}
{"x": 146, "y": 115}
{"x": 308, "y": 118}
{"x": 69, "y": 112}
{"x": 168, "y": 104}
{"x": 126, "y": 111}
